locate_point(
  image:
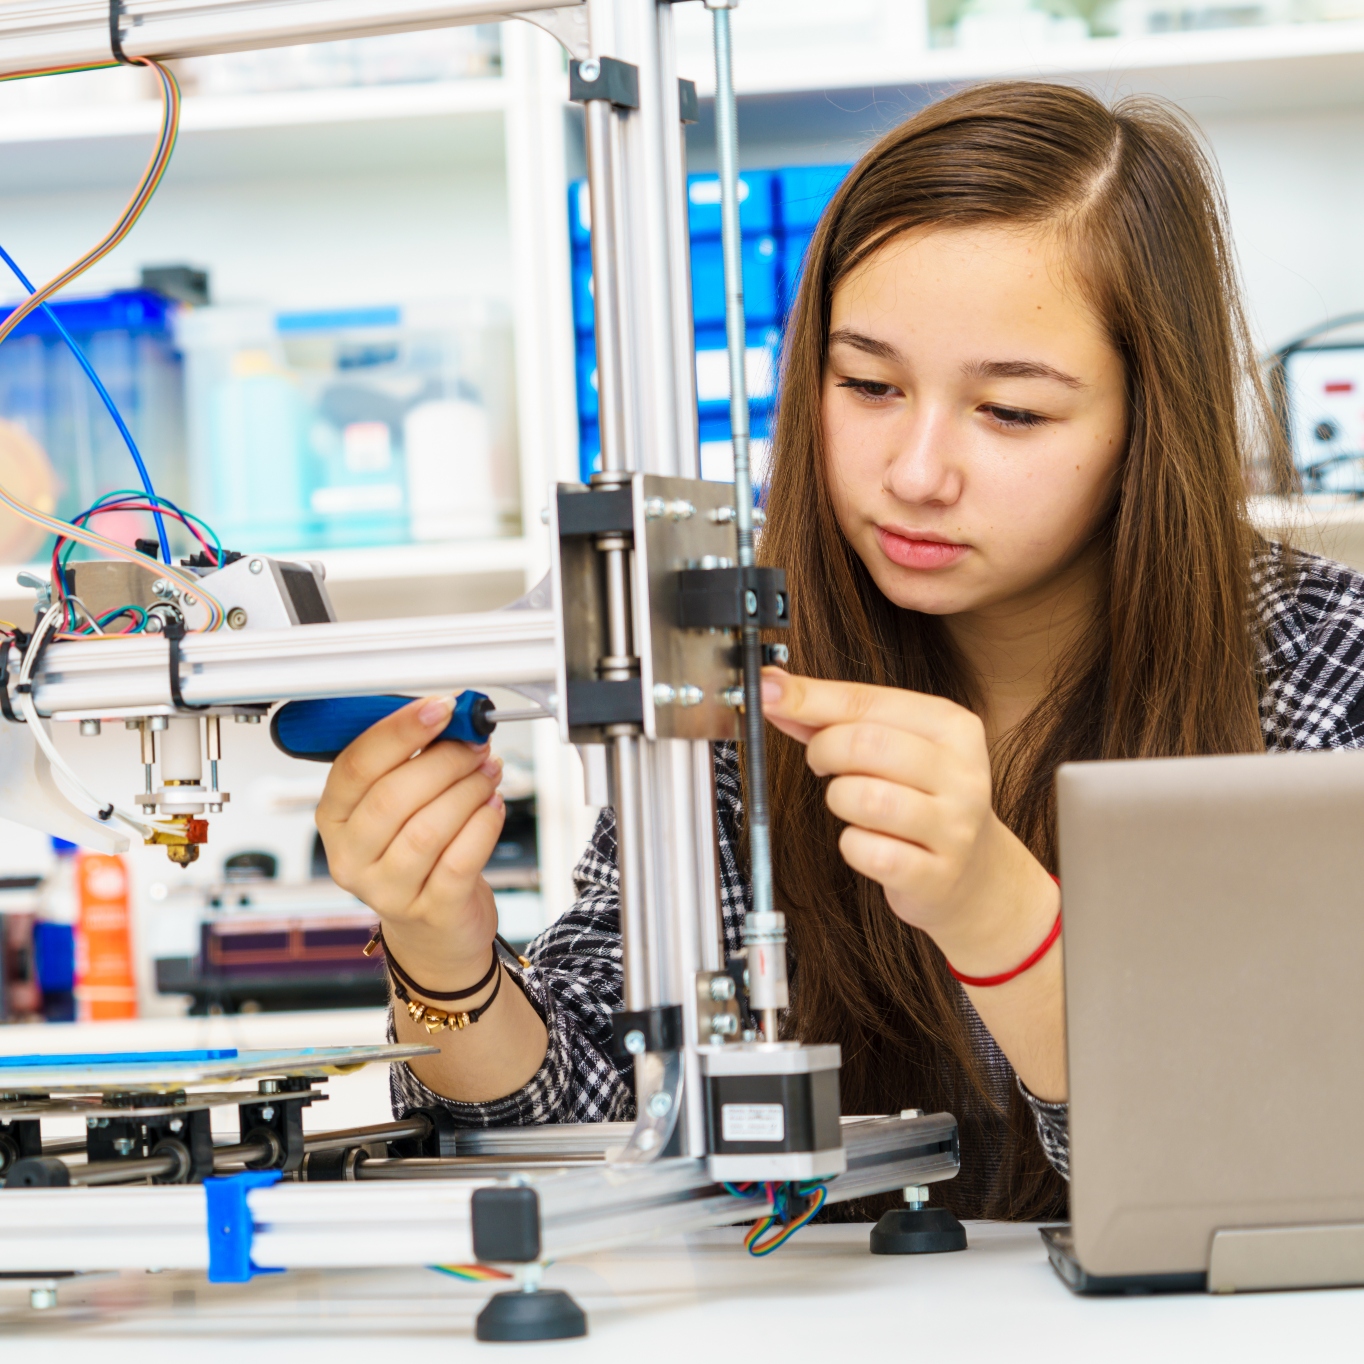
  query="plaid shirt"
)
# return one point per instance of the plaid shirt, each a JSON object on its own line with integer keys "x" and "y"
{"x": 1314, "y": 698}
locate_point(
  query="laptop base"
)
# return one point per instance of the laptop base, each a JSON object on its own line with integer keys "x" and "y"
{"x": 1061, "y": 1252}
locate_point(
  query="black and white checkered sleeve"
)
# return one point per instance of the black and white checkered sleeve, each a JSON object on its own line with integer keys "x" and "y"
{"x": 574, "y": 982}
{"x": 1053, "y": 1129}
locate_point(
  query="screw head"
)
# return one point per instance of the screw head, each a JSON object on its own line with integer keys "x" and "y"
{"x": 654, "y": 507}
{"x": 236, "y": 618}
{"x": 721, "y": 988}
{"x": 722, "y": 516}
{"x": 157, "y": 723}
{"x": 733, "y": 697}
{"x": 664, "y": 695}
{"x": 590, "y": 70}
{"x": 256, "y": 565}
{"x": 267, "y": 1114}
{"x": 124, "y": 1145}
{"x": 751, "y": 602}
{"x": 177, "y": 1124}
{"x": 90, "y": 728}
{"x": 681, "y": 510}
{"x": 41, "y": 1299}
{"x": 688, "y": 694}
{"x": 634, "y": 1042}
{"x": 164, "y": 589}
{"x": 544, "y": 516}
{"x": 660, "y": 1104}
{"x": 724, "y": 1025}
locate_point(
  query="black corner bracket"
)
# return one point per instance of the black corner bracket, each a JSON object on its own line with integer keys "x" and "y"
{"x": 732, "y": 599}
{"x": 611, "y": 80}
{"x": 658, "y": 1029}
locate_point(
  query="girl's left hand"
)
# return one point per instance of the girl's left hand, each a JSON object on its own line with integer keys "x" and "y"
{"x": 911, "y": 778}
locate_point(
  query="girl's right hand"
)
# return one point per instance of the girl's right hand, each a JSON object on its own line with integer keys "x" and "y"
{"x": 410, "y": 836}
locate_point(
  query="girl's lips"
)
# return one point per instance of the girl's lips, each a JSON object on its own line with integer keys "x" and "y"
{"x": 909, "y": 552}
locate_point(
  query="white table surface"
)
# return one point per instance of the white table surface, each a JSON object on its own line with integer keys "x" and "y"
{"x": 698, "y": 1298}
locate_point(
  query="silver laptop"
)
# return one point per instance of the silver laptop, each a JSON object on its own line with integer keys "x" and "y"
{"x": 1214, "y": 965}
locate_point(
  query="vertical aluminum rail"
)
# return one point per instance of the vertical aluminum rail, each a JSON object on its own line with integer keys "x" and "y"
{"x": 672, "y": 925}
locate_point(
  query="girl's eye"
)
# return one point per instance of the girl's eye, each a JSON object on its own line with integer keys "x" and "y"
{"x": 1015, "y": 417}
{"x": 869, "y": 388}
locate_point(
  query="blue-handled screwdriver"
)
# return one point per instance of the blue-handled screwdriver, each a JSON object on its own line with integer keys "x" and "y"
{"x": 317, "y": 731}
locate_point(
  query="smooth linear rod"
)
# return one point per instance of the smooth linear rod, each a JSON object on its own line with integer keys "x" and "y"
{"x": 43, "y": 34}
{"x": 348, "y": 658}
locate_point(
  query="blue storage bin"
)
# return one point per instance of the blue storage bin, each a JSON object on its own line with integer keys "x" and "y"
{"x": 54, "y": 957}
{"x": 804, "y": 193}
{"x": 589, "y": 449}
{"x": 757, "y": 203}
{"x": 584, "y": 308}
{"x": 760, "y": 262}
{"x": 792, "y": 267}
{"x": 587, "y": 381}
{"x": 127, "y": 337}
{"x": 712, "y": 367}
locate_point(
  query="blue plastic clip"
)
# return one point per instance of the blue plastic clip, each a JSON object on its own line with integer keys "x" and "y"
{"x": 230, "y": 1227}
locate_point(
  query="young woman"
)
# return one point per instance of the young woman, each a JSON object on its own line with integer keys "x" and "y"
{"x": 1018, "y": 409}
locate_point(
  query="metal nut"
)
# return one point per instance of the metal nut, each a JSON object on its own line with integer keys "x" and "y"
{"x": 157, "y": 723}
{"x": 124, "y": 1145}
{"x": 724, "y": 1025}
{"x": 733, "y": 697}
{"x": 165, "y": 589}
{"x": 721, "y": 988}
{"x": 236, "y": 618}
{"x": 267, "y": 1114}
{"x": 681, "y": 510}
{"x": 690, "y": 695}
{"x": 90, "y": 728}
{"x": 40, "y": 1299}
{"x": 722, "y": 516}
{"x": 654, "y": 508}
{"x": 634, "y": 1042}
{"x": 776, "y": 653}
{"x": 664, "y": 695}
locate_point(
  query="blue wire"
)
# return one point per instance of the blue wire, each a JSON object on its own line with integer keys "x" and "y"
{"x": 108, "y": 402}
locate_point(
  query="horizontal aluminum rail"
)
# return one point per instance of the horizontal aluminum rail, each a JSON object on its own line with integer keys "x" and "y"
{"x": 43, "y": 34}
{"x": 348, "y": 658}
{"x": 427, "y": 1221}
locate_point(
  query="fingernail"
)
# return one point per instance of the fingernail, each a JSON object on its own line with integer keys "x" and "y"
{"x": 492, "y": 767}
{"x": 495, "y": 800}
{"x": 771, "y": 692}
{"x": 437, "y": 710}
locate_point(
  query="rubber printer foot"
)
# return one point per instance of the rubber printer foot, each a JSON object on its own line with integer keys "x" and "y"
{"x": 549, "y": 1314}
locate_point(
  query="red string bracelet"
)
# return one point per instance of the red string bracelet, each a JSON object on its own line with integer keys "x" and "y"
{"x": 984, "y": 982}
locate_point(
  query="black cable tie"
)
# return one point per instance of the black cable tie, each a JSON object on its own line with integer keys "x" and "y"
{"x": 116, "y": 34}
{"x": 175, "y": 632}
{"x": 107, "y": 811}
{"x": 6, "y": 707}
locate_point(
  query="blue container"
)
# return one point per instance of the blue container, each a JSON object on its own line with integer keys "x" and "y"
{"x": 54, "y": 957}
{"x": 584, "y": 307}
{"x": 127, "y": 337}
{"x": 760, "y": 259}
{"x": 757, "y": 203}
{"x": 804, "y": 193}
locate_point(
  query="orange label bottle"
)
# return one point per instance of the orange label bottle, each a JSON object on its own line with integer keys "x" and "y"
{"x": 105, "y": 986}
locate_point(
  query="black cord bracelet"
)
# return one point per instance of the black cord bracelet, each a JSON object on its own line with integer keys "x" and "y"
{"x": 456, "y": 1020}
{"x": 401, "y": 977}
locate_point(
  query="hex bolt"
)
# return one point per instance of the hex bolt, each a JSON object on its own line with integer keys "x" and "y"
{"x": 660, "y": 1104}
{"x": 157, "y": 723}
{"x": 236, "y": 618}
{"x": 40, "y": 1299}
{"x": 751, "y": 602}
{"x": 664, "y": 695}
{"x": 776, "y": 653}
{"x": 722, "y": 516}
{"x": 132, "y": 724}
{"x": 267, "y": 1114}
{"x": 90, "y": 728}
{"x": 689, "y": 694}
{"x": 654, "y": 508}
{"x": 165, "y": 589}
{"x": 733, "y": 697}
{"x": 711, "y": 561}
{"x": 681, "y": 510}
{"x": 721, "y": 988}
{"x": 634, "y": 1042}
{"x": 590, "y": 70}
{"x": 725, "y": 1025}
{"x": 916, "y": 1195}
{"x": 176, "y": 1124}
{"x": 247, "y": 719}
{"x": 124, "y": 1145}
{"x": 256, "y": 565}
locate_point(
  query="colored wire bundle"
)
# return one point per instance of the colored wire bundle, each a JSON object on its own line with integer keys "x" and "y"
{"x": 56, "y": 71}
{"x": 192, "y": 594}
{"x": 110, "y": 405}
{"x": 132, "y": 211}
{"x": 125, "y": 499}
{"x": 472, "y": 1273}
{"x": 783, "y": 1200}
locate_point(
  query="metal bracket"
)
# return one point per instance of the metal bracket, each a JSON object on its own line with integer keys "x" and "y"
{"x": 732, "y": 598}
{"x": 641, "y": 1031}
{"x": 568, "y": 25}
{"x": 605, "y": 78}
{"x": 658, "y": 1086}
{"x": 231, "y": 1228}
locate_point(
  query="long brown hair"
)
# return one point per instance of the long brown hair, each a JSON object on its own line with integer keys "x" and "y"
{"x": 1170, "y": 665}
